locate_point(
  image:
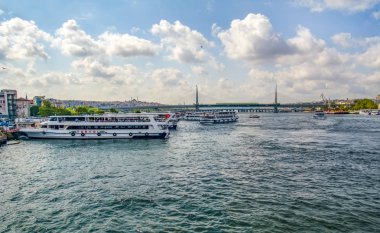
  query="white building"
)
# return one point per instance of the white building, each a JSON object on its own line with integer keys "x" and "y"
{"x": 23, "y": 108}
{"x": 8, "y": 104}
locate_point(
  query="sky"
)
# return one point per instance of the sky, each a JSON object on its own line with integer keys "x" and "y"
{"x": 158, "y": 50}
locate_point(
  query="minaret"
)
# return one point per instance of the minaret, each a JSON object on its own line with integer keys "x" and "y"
{"x": 275, "y": 101}
{"x": 196, "y": 98}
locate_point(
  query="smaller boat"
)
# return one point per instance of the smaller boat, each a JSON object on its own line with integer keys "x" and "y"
{"x": 319, "y": 115}
{"x": 254, "y": 116}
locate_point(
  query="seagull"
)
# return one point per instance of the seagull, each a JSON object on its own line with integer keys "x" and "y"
{"x": 4, "y": 68}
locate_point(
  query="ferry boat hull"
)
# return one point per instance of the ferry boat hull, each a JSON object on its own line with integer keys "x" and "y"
{"x": 44, "y": 134}
{"x": 217, "y": 121}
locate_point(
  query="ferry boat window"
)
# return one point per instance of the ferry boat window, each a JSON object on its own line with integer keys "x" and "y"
{"x": 44, "y": 126}
{"x": 53, "y": 119}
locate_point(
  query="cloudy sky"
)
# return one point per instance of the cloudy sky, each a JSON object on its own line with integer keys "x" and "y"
{"x": 158, "y": 50}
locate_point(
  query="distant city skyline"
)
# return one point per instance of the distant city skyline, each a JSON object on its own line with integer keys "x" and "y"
{"x": 159, "y": 50}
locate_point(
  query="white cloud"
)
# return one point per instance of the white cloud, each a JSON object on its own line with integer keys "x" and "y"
{"x": 253, "y": 38}
{"x": 21, "y": 39}
{"x": 126, "y": 45}
{"x": 370, "y": 57}
{"x": 305, "y": 42}
{"x": 343, "y": 39}
{"x": 346, "y": 40}
{"x": 215, "y": 29}
{"x": 376, "y": 15}
{"x": 94, "y": 69}
{"x": 73, "y": 41}
{"x": 184, "y": 45}
{"x": 351, "y": 6}
{"x": 199, "y": 70}
{"x": 167, "y": 77}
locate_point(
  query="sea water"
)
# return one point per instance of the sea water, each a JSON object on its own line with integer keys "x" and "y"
{"x": 278, "y": 173}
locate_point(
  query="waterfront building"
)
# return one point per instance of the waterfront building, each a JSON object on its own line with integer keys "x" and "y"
{"x": 37, "y": 100}
{"x": 23, "y": 107}
{"x": 8, "y": 104}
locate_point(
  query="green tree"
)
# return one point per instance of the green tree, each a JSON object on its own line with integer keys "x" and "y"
{"x": 62, "y": 111}
{"x": 364, "y": 104}
{"x": 34, "y": 110}
{"x": 46, "y": 103}
{"x": 112, "y": 110}
{"x": 80, "y": 110}
{"x": 99, "y": 111}
{"x": 45, "y": 111}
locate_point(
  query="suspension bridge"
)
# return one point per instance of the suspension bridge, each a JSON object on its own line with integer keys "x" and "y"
{"x": 239, "y": 107}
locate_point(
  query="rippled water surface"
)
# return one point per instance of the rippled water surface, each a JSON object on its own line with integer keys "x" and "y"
{"x": 278, "y": 173}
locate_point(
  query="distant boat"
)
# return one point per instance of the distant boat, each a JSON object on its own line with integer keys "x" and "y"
{"x": 219, "y": 117}
{"x": 369, "y": 112}
{"x": 193, "y": 116}
{"x": 254, "y": 116}
{"x": 365, "y": 112}
{"x": 319, "y": 115}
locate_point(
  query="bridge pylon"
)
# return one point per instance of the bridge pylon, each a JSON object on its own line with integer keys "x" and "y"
{"x": 275, "y": 101}
{"x": 196, "y": 98}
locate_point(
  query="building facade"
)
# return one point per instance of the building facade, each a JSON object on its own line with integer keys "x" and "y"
{"x": 23, "y": 108}
{"x": 8, "y": 104}
{"x": 37, "y": 100}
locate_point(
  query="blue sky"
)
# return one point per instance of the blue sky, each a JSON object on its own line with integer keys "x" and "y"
{"x": 159, "y": 50}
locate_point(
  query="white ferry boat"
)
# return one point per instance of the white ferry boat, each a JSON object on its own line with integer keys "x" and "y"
{"x": 319, "y": 115}
{"x": 219, "y": 117}
{"x": 193, "y": 116}
{"x": 113, "y": 126}
{"x": 168, "y": 118}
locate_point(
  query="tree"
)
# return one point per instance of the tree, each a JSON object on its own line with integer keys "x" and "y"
{"x": 112, "y": 110}
{"x": 364, "y": 104}
{"x": 45, "y": 111}
{"x": 80, "y": 110}
{"x": 46, "y": 103}
{"x": 34, "y": 110}
{"x": 99, "y": 111}
{"x": 62, "y": 111}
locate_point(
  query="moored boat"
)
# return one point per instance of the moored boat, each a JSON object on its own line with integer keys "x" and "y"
{"x": 112, "y": 126}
